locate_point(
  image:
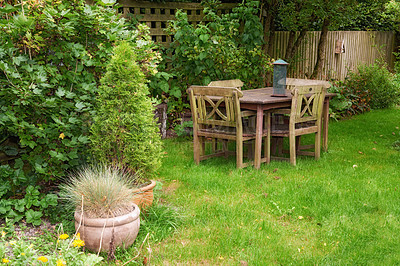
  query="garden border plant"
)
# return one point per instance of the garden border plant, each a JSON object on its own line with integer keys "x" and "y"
{"x": 52, "y": 56}
{"x": 226, "y": 46}
{"x": 124, "y": 132}
{"x": 370, "y": 87}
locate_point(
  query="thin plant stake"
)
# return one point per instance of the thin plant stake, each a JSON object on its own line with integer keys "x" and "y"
{"x": 140, "y": 249}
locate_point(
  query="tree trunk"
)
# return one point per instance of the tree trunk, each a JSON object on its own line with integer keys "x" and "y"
{"x": 268, "y": 10}
{"x": 290, "y": 46}
{"x": 321, "y": 49}
{"x": 294, "y": 45}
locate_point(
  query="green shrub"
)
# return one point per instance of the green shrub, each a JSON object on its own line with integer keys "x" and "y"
{"x": 372, "y": 86}
{"x": 124, "y": 131}
{"x": 227, "y": 46}
{"x": 340, "y": 104}
{"x": 52, "y": 55}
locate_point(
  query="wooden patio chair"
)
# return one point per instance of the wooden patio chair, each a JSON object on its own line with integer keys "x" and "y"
{"x": 277, "y": 143}
{"x": 248, "y": 121}
{"x": 305, "y": 117}
{"x": 216, "y": 114}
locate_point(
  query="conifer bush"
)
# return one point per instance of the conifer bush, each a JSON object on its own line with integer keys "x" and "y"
{"x": 124, "y": 131}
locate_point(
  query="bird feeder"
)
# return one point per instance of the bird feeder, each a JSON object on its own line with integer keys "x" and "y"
{"x": 279, "y": 82}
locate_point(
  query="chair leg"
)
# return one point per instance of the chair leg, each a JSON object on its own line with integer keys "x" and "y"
{"x": 279, "y": 146}
{"x": 298, "y": 140}
{"x": 292, "y": 144}
{"x": 239, "y": 152}
{"x": 197, "y": 147}
{"x": 214, "y": 145}
{"x": 267, "y": 144}
{"x": 317, "y": 145}
{"x": 225, "y": 148}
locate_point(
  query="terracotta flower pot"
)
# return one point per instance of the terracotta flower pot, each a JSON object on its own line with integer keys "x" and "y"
{"x": 144, "y": 196}
{"x": 93, "y": 230}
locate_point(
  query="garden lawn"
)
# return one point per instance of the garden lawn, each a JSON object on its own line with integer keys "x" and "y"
{"x": 344, "y": 208}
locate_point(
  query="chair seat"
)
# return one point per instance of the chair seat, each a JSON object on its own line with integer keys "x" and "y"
{"x": 247, "y": 131}
{"x": 284, "y": 128}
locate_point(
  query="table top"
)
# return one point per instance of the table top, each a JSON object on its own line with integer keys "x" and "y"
{"x": 264, "y": 96}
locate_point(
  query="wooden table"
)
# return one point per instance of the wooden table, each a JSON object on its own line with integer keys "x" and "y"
{"x": 261, "y": 99}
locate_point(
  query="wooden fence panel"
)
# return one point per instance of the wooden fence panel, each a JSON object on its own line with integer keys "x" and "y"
{"x": 157, "y": 15}
{"x": 360, "y": 47}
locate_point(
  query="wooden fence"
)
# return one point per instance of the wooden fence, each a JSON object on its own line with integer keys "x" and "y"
{"x": 345, "y": 50}
{"x": 358, "y": 47}
{"x": 157, "y": 15}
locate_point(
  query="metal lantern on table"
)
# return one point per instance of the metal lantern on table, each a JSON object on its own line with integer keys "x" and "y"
{"x": 279, "y": 82}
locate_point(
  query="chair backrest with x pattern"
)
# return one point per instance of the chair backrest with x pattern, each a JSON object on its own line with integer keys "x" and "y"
{"x": 222, "y": 112}
{"x": 235, "y": 83}
{"x": 307, "y": 103}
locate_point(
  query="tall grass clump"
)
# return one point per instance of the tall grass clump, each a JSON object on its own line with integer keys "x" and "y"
{"x": 100, "y": 191}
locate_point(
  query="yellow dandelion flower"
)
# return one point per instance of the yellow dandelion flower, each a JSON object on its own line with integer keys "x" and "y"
{"x": 12, "y": 243}
{"x": 61, "y": 262}
{"x": 78, "y": 236}
{"x": 22, "y": 254}
{"x": 5, "y": 260}
{"x": 3, "y": 234}
{"x": 78, "y": 243}
{"x": 42, "y": 259}
{"x": 62, "y": 136}
{"x": 64, "y": 236}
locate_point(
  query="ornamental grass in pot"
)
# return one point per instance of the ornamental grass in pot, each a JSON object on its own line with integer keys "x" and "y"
{"x": 105, "y": 215}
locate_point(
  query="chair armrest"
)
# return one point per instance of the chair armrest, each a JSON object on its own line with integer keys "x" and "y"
{"x": 248, "y": 113}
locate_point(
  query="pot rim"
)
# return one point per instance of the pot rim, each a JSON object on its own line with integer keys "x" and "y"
{"x": 108, "y": 222}
{"x": 145, "y": 188}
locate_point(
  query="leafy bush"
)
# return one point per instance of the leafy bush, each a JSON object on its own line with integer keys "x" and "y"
{"x": 227, "y": 46}
{"x": 371, "y": 86}
{"x": 52, "y": 55}
{"x": 13, "y": 206}
{"x": 124, "y": 131}
{"x": 340, "y": 104}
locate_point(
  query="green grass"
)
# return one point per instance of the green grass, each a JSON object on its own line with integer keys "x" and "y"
{"x": 343, "y": 208}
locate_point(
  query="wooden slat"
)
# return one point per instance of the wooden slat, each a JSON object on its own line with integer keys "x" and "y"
{"x": 361, "y": 47}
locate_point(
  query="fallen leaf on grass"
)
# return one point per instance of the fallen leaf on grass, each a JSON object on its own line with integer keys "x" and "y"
{"x": 374, "y": 149}
{"x": 354, "y": 165}
{"x": 360, "y": 152}
{"x": 301, "y": 217}
{"x": 277, "y": 177}
{"x": 276, "y": 169}
{"x": 266, "y": 195}
{"x": 393, "y": 133}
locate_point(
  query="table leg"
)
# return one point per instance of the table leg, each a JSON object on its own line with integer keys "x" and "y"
{"x": 258, "y": 144}
{"x": 325, "y": 124}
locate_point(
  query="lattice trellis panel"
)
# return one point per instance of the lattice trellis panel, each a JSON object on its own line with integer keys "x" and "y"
{"x": 157, "y": 15}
